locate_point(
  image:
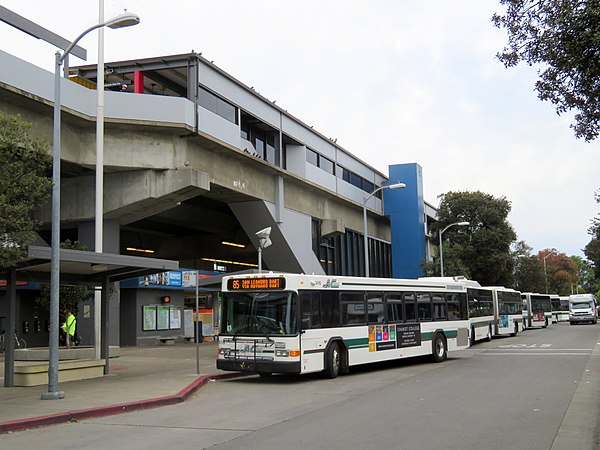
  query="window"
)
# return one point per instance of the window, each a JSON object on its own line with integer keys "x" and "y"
{"x": 394, "y": 307}
{"x": 312, "y": 157}
{"x": 213, "y": 103}
{"x": 327, "y": 165}
{"x": 439, "y": 307}
{"x": 311, "y": 310}
{"x": 409, "y": 307}
{"x": 330, "y": 309}
{"x": 352, "y": 305}
{"x": 424, "y": 306}
{"x": 454, "y": 307}
{"x": 375, "y": 311}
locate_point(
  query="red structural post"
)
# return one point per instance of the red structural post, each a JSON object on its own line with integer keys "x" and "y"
{"x": 138, "y": 82}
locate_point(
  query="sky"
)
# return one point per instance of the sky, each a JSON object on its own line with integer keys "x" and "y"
{"x": 394, "y": 81}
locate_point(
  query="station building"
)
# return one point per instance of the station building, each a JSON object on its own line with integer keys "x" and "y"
{"x": 195, "y": 163}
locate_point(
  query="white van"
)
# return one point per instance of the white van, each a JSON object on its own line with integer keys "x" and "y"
{"x": 582, "y": 308}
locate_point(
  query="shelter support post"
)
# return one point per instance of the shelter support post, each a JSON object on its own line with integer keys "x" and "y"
{"x": 9, "y": 341}
{"x": 104, "y": 340}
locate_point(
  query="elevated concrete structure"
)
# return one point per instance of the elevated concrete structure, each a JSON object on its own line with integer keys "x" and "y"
{"x": 180, "y": 178}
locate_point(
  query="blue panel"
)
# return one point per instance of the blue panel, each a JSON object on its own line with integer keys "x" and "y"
{"x": 406, "y": 210}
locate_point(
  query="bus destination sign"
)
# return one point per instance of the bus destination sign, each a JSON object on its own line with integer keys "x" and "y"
{"x": 256, "y": 284}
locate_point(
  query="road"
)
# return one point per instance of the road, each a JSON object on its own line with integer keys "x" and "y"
{"x": 508, "y": 393}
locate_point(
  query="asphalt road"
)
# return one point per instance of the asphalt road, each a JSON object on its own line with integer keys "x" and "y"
{"x": 508, "y": 393}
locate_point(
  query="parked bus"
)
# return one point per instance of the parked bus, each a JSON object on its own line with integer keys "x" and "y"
{"x": 560, "y": 309}
{"x": 291, "y": 323}
{"x": 508, "y": 313}
{"x": 582, "y": 308}
{"x": 537, "y": 310}
{"x": 481, "y": 313}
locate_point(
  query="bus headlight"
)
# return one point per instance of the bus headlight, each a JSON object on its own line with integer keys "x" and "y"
{"x": 283, "y": 353}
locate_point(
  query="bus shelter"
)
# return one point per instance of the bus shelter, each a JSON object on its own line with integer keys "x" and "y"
{"x": 77, "y": 267}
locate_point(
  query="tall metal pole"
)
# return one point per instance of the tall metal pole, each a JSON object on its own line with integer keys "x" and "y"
{"x": 441, "y": 256}
{"x": 366, "y": 236}
{"x": 53, "y": 392}
{"x": 259, "y": 257}
{"x": 441, "y": 246}
{"x": 197, "y": 323}
{"x": 545, "y": 272}
{"x": 99, "y": 212}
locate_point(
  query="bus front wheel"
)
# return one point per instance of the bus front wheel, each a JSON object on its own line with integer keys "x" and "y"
{"x": 440, "y": 350}
{"x": 332, "y": 360}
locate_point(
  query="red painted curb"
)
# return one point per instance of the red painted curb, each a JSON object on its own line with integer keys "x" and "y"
{"x": 119, "y": 408}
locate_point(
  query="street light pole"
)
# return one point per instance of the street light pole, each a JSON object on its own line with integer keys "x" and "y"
{"x": 441, "y": 247}
{"x": 366, "y": 236}
{"x": 545, "y": 272}
{"x": 53, "y": 393}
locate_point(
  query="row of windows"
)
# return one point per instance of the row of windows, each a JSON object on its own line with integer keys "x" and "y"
{"x": 344, "y": 254}
{"x": 322, "y": 309}
{"x": 210, "y": 101}
{"x": 481, "y": 302}
{"x": 320, "y": 161}
{"x": 348, "y": 176}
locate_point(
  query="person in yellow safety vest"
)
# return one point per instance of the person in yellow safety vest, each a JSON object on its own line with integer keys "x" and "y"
{"x": 69, "y": 328}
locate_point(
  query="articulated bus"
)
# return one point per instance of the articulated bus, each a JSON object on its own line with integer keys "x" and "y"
{"x": 508, "y": 311}
{"x": 292, "y": 323}
{"x": 537, "y": 310}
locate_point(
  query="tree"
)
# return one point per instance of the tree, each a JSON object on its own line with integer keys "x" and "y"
{"x": 69, "y": 296}
{"x": 592, "y": 249}
{"x": 25, "y": 184}
{"x": 529, "y": 275}
{"x": 483, "y": 247}
{"x": 562, "y": 272}
{"x": 588, "y": 282}
{"x": 563, "y": 37}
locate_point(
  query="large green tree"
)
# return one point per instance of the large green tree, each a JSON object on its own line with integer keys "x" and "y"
{"x": 592, "y": 249}
{"x": 562, "y": 38}
{"x": 25, "y": 184}
{"x": 588, "y": 282}
{"x": 482, "y": 247}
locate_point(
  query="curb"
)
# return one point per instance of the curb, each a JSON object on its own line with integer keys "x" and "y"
{"x": 118, "y": 408}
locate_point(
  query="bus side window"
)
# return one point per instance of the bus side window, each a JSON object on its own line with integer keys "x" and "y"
{"x": 311, "y": 310}
{"x": 330, "y": 309}
{"x": 375, "y": 311}
{"x": 424, "y": 306}
{"x": 352, "y": 305}
{"x": 394, "y": 307}
{"x": 410, "y": 310}
{"x": 453, "y": 306}
{"x": 439, "y": 307}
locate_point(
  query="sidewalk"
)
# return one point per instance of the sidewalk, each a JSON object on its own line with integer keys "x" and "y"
{"x": 142, "y": 377}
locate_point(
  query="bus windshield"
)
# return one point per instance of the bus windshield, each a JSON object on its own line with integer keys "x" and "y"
{"x": 259, "y": 313}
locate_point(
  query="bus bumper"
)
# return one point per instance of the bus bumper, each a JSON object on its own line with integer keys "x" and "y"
{"x": 245, "y": 365}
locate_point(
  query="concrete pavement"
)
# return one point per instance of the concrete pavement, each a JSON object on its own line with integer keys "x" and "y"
{"x": 141, "y": 377}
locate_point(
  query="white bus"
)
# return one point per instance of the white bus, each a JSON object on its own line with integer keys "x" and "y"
{"x": 481, "y": 313}
{"x": 480, "y": 307}
{"x": 290, "y": 323}
{"x": 508, "y": 313}
{"x": 537, "y": 310}
{"x": 560, "y": 310}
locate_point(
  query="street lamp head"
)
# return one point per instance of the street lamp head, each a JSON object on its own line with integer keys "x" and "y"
{"x": 123, "y": 20}
{"x": 463, "y": 223}
{"x": 396, "y": 186}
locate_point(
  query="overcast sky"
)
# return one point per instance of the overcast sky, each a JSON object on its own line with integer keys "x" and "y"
{"x": 394, "y": 81}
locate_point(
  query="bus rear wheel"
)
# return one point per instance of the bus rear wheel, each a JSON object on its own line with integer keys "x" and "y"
{"x": 439, "y": 348}
{"x": 332, "y": 360}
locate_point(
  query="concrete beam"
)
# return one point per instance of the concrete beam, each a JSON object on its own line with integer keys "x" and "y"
{"x": 129, "y": 196}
